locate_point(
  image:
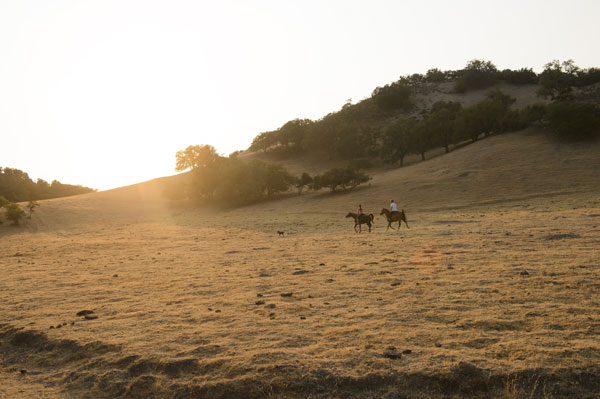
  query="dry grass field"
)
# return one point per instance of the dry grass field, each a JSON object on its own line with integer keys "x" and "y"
{"x": 492, "y": 292}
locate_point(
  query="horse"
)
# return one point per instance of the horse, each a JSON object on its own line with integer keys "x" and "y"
{"x": 362, "y": 219}
{"x": 395, "y": 217}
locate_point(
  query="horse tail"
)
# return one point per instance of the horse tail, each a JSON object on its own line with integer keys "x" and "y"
{"x": 372, "y": 218}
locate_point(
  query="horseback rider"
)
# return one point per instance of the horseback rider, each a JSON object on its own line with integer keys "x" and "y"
{"x": 393, "y": 207}
{"x": 359, "y": 211}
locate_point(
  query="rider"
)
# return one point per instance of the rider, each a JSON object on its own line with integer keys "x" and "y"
{"x": 359, "y": 211}
{"x": 394, "y": 207}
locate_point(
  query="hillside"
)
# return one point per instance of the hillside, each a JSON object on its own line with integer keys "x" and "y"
{"x": 428, "y": 94}
{"x": 492, "y": 289}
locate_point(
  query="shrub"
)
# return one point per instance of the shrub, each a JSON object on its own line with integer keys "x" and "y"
{"x": 303, "y": 181}
{"x": 347, "y": 179}
{"x": 587, "y": 77}
{"x": 31, "y": 206}
{"x": 393, "y": 97}
{"x": 478, "y": 74}
{"x": 14, "y": 213}
{"x": 397, "y": 140}
{"x": 574, "y": 121}
{"x": 557, "y": 80}
{"x": 522, "y": 76}
{"x": 434, "y": 75}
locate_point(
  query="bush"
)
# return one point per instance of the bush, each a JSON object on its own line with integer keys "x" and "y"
{"x": 14, "y": 213}
{"x": 17, "y": 186}
{"x": 532, "y": 113}
{"x": 587, "y": 77}
{"x": 557, "y": 80}
{"x": 305, "y": 180}
{"x": 434, "y": 75}
{"x": 347, "y": 179}
{"x": 478, "y": 74}
{"x": 31, "y": 206}
{"x": 574, "y": 121}
{"x": 522, "y": 76}
{"x": 393, "y": 97}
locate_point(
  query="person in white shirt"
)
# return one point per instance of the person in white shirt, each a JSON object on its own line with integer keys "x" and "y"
{"x": 393, "y": 206}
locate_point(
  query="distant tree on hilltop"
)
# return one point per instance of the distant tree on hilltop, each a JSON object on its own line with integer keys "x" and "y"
{"x": 478, "y": 74}
{"x": 195, "y": 156}
{"x": 17, "y": 186}
{"x": 393, "y": 96}
{"x": 557, "y": 80}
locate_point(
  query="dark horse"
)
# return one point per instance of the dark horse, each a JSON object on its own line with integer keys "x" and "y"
{"x": 363, "y": 219}
{"x": 394, "y": 217}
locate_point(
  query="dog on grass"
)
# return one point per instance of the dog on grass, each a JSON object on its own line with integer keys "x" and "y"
{"x": 281, "y": 233}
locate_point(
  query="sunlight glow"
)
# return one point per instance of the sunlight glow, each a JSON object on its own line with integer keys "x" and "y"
{"x": 104, "y": 93}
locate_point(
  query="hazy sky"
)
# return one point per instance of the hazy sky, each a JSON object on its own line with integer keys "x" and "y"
{"x": 103, "y": 93}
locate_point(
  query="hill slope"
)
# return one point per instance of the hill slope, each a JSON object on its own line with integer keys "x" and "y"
{"x": 492, "y": 291}
{"x": 505, "y": 168}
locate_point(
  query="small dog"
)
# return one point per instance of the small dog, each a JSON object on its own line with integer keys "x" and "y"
{"x": 281, "y": 233}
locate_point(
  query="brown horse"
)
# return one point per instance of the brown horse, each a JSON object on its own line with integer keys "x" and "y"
{"x": 363, "y": 219}
{"x": 394, "y": 217}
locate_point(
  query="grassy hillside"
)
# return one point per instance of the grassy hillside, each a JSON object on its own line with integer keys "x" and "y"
{"x": 490, "y": 293}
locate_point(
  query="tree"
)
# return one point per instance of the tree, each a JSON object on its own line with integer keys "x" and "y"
{"x": 263, "y": 142}
{"x": 420, "y": 140}
{"x": 346, "y": 178}
{"x": 353, "y": 141}
{"x": 434, "y": 75}
{"x": 293, "y": 132}
{"x": 305, "y": 180}
{"x": 17, "y": 186}
{"x": 14, "y": 213}
{"x": 586, "y": 77}
{"x": 397, "y": 140}
{"x": 574, "y": 121}
{"x": 522, "y": 76}
{"x": 478, "y": 74}
{"x": 3, "y": 203}
{"x": 195, "y": 156}
{"x": 486, "y": 116}
{"x": 441, "y": 122}
{"x": 557, "y": 80}
{"x": 31, "y": 206}
{"x": 277, "y": 179}
{"x": 392, "y": 97}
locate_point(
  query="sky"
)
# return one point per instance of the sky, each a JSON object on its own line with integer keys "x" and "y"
{"x": 104, "y": 93}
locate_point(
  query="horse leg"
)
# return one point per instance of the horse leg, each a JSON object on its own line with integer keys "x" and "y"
{"x": 369, "y": 224}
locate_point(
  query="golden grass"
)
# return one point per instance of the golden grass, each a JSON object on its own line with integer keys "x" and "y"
{"x": 176, "y": 289}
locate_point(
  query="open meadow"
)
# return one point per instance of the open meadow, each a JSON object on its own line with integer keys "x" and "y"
{"x": 492, "y": 292}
